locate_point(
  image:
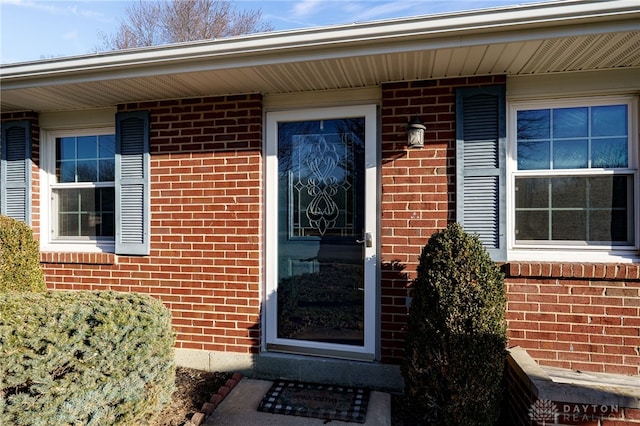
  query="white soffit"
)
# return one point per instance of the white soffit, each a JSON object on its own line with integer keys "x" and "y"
{"x": 556, "y": 37}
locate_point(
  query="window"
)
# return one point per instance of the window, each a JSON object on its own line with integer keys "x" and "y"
{"x": 95, "y": 186}
{"x": 574, "y": 175}
{"x": 80, "y": 188}
{"x": 83, "y": 188}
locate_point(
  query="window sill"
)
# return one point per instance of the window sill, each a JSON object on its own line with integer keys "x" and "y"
{"x": 598, "y": 271}
{"x": 79, "y": 258}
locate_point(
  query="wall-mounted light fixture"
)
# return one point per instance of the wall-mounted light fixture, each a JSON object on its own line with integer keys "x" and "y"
{"x": 415, "y": 133}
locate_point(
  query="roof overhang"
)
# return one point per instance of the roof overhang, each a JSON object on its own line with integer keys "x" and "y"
{"x": 556, "y": 37}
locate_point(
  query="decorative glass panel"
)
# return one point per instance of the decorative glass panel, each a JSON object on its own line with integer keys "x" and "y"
{"x": 321, "y": 185}
{"x": 320, "y": 229}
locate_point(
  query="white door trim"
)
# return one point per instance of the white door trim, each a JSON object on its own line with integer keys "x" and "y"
{"x": 271, "y": 340}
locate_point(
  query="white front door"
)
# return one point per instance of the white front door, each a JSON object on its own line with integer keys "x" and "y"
{"x": 321, "y": 232}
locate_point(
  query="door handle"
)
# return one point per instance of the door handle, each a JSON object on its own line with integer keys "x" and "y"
{"x": 368, "y": 240}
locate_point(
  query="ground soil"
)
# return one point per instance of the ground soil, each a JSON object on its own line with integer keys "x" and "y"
{"x": 193, "y": 388}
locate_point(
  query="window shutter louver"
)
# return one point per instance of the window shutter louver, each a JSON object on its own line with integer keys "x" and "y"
{"x": 481, "y": 167}
{"x": 15, "y": 171}
{"x": 132, "y": 183}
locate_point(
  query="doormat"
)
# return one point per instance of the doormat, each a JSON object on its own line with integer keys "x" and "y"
{"x": 328, "y": 402}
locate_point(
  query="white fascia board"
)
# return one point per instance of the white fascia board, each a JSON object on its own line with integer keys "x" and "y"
{"x": 496, "y": 25}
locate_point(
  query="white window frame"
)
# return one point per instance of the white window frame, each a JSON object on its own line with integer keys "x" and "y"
{"x": 48, "y": 183}
{"x": 560, "y": 251}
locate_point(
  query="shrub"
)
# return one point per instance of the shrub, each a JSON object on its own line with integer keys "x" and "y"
{"x": 72, "y": 358}
{"x": 19, "y": 258}
{"x": 456, "y": 337}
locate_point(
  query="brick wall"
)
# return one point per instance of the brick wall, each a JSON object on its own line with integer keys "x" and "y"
{"x": 585, "y": 317}
{"x": 418, "y": 189}
{"x": 579, "y": 316}
{"x": 206, "y": 225}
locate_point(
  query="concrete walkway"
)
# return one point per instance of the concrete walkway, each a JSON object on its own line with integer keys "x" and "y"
{"x": 240, "y": 408}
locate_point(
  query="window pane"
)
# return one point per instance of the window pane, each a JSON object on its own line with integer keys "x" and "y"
{"x": 106, "y": 171}
{"x": 85, "y": 212}
{"x": 87, "y": 198}
{"x": 532, "y": 225}
{"x": 610, "y": 191}
{"x": 66, "y": 171}
{"x": 106, "y": 228}
{"x": 65, "y": 148}
{"x": 68, "y": 201}
{"x": 570, "y": 122}
{"x": 68, "y": 225}
{"x": 85, "y": 159}
{"x": 609, "y": 153}
{"x": 534, "y": 124}
{"x": 587, "y": 209}
{"x": 87, "y": 171}
{"x": 107, "y": 146}
{"x": 568, "y": 192}
{"x": 581, "y": 138}
{"x": 533, "y": 155}
{"x": 87, "y": 147}
{"x": 608, "y": 225}
{"x": 571, "y": 154}
{"x": 532, "y": 193}
{"x": 569, "y": 225}
{"x": 107, "y": 199}
{"x": 609, "y": 120}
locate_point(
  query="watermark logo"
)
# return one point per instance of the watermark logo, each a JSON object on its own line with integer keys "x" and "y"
{"x": 545, "y": 413}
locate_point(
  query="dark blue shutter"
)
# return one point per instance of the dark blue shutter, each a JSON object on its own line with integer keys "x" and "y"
{"x": 15, "y": 170}
{"x": 132, "y": 183}
{"x": 480, "y": 166}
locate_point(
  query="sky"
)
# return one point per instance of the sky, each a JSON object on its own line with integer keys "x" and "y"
{"x": 44, "y": 29}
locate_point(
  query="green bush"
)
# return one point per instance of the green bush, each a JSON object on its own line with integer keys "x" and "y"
{"x": 83, "y": 358}
{"x": 456, "y": 337}
{"x": 19, "y": 258}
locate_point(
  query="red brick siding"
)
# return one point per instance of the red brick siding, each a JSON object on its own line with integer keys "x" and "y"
{"x": 206, "y": 225}
{"x": 418, "y": 189}
{"x": 579, "y": 316}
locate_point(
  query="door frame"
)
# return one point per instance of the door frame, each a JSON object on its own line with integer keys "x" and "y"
{"x": 271, "y": 342}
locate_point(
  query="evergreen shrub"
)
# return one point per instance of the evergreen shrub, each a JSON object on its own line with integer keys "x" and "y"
{"x": 19, "y": 258}
{"x": 84, "y": 358}
{"x": 455, "y": 350}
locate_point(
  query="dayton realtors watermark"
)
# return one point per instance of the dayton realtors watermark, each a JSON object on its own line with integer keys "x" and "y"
{"x": 545, "y": 413}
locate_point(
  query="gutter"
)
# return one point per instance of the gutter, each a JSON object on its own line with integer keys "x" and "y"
{"x": 549, "y": 20}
